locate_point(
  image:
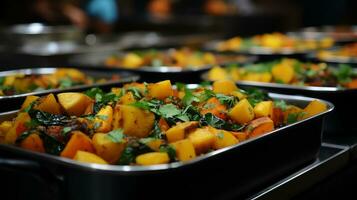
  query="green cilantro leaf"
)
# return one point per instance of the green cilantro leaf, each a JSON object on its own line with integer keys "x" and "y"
{"x": 116, "y": 135}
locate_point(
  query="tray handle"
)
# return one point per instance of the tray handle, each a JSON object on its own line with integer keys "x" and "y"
{"x": 51, "y": 183}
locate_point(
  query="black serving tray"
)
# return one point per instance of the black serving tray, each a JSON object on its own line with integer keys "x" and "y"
{"x": 339, "y": 122}
{"x": 149, "y": 73}
{"x": 241, "y": 167}
{"x": 12, "y": 102}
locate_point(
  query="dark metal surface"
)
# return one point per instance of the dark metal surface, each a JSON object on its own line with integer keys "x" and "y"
{"x": 16, "y": 100}
{"x": 331, "y": 159}
{"x": 222, "y": 174}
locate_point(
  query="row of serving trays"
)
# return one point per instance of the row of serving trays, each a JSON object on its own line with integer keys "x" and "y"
{"x": 240, "y": 168}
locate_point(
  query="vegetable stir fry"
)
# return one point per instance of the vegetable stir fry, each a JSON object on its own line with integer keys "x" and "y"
{"x": 290, "y": 71}
{"x": 275, "y": 42}
{"x": 147, "y": 124}
{"x": 184, "y": 58}
{"x": 348, "y": 51}
{"x": 62, "y": 78}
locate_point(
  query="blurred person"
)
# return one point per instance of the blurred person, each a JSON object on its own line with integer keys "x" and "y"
{"x": 96, "y": 15}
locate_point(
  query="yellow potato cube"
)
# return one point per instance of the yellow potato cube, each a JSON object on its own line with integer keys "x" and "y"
{"x": 315, "y": 107}
{"x": 217, "y": 73}
{"x": 179, "y": 131}
{"x": 103, "y": 119}
{"x": 132, "y": 60}
{"x": 242, "y": 112}
{"x": 74, "y": 103}
{"x": 17, "y": 128}
{"x": 135, "y": 122}
{"x": 28, "y": 101}
{"x": 222, "y": 138}
{"x": 264, "y": 109}
{"x": 184, "y": 150}
{"x": 202, "y": 139}
{"x": 106, "y": 148}
{"x": 153, "y": 158}
{"x": 224, "y": 87}
{"x": 283, "y": 72}
{"x": 49, "y": 104}
{"x": 86, "y": 157}
{"x": 160, "y": 90}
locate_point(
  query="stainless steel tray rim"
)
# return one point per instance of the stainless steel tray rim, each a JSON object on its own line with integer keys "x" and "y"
{"x": 204, "y": 76}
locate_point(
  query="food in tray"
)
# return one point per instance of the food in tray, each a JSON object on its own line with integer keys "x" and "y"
{"x": 62, "y": 78}
{"x": 289, "y": 71}
{"x": 348, "y": 51}
{"x": 184, "y": 58}
{"x": 147, "y": 124}
{"x": 274, "y": 42}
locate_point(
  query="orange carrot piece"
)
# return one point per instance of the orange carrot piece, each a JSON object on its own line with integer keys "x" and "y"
{"x": 215, "y": 107}
{"x": 33, "y": 142}
{"x": 260, "y": 126}
{"x": 164, "y": 126}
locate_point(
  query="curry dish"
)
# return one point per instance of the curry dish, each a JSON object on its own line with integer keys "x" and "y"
{"x": 148, "y": 124}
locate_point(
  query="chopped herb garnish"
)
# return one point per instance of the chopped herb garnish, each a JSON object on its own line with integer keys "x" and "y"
{"x": 116, "y": 135}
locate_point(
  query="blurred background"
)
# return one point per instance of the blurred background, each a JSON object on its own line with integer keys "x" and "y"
{"x": 181, "y": 16}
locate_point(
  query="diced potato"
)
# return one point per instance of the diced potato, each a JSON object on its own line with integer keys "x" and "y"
{"x": 224, "y": 87}
{"x": 103, "y": 119}
{"x": 258, "y": 77}
{"x": 180, "y": 130}
{"x": 202, "y": 139}
{"x": 74, "y": 103}
{"x": 184, "y": 150}
{"x": 78, "y": 142}
{"x": 283, "y": 73}
{"x": 223, "y": 138}
{"x": 33, "y": 142}
{"x": 209, "y": 58}
{"x": 73, "y": 74}
{"x": 17, "y": 128}
{"x": 22, "y": 84}
{"x": 132, "y": 60}
{"x": 153, "y": 158}
{"x": 264, "y": 109}
{"x": 86, "y": 157}
{"x": 155, "y": 144}
{"x": 160, "y": 90}
{"x": 291, "y": 109}
{"x": 135, "y": 122}
{"x": 260, "y": 126}
{"x": 28, "y": 101}
{"x": 106, "y": 148}
{"x": 5, "y": 126}
{"x": 239, "y": 95}
{"x": 9, "y": 80}
{"x": 315, "y": 107}
{"x": 242, "y": 112}
{"x": 217, "y": 73}
{"x": 128, "y": 98}
{"x": 49, "y": 104}
{"x": 117, "y": 117}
